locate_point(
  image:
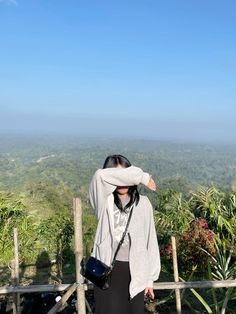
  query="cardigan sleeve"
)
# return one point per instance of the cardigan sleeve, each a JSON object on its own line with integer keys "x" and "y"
{"x": 105, "y": 181}
{"x": 152, "y": 248}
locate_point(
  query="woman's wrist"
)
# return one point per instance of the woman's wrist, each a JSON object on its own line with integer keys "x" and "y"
{"x": 145, "y": 178}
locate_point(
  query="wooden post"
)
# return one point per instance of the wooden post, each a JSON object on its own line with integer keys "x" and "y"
{"x": 77, "y": 208}
{"x": 13, "y": 280}
{"x": 176, "y": 275}
{"x": 16, "y": 297}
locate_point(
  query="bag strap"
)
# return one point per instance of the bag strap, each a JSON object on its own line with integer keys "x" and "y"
{"x": 122, "y": 238}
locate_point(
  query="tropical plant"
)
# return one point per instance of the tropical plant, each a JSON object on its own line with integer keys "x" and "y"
{"x": 12, "y": 214}
{"x": 220, "y": 267}
{"x": 191, "y": 245}
{"x": 218, "y": 209}
{"x": 56, "y": 232}
{"x": 173, "y": 214}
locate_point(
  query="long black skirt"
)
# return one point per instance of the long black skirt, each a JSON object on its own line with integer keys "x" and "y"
{"x": 116, "y": 299}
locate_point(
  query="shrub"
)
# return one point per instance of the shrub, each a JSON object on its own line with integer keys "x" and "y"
{"x": 192, "y": 243}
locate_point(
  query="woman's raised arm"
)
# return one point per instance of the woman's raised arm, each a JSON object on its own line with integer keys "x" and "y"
{"x": 105, "y": 181}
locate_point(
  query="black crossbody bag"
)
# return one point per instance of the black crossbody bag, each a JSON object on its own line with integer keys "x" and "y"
{"x": 99, "y": 273}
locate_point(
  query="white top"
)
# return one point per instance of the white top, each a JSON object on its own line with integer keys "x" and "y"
{"x": 120, "y": 222}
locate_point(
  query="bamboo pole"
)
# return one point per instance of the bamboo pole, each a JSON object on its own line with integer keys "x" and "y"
{"x": 77, "y": 208}
{"x": 205, "y": 284}
{"x": 176, "y": 275}
{"x": 33, "y": 288}
{"x": 16, "y": 297}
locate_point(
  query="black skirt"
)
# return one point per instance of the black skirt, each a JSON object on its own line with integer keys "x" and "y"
{"x": 116, "y": 299}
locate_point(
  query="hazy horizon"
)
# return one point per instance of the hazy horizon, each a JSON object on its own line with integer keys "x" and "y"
{"x": 56, "y": 136}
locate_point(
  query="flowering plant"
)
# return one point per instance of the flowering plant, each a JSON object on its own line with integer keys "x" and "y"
{"x": 193, "y": 242}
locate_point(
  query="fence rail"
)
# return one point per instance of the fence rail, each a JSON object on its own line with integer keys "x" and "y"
{"x": 157, "y": 286}
{"x": 195, "y": 284}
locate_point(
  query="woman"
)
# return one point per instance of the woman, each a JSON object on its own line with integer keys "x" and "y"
{"x": 113, "y": 192}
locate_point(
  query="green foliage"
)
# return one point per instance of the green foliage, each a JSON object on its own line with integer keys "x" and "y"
{"x": 197, "y": 238}
{"x": 218, "y": 208}
{"x": 55, "y": 233}
{"x": 173, "y": 214}
{"x": 56, "y": 196}
{"x": 89, "y": 228}
{"x": 52, "y": 234}
{"x": 13, "y": 214}
{"x": 195, "y": 219}
{"x": 50, "y": 172}
{"x": 222, "y": 267}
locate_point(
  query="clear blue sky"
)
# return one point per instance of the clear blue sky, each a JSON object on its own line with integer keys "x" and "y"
{"x": 145, "y": 68}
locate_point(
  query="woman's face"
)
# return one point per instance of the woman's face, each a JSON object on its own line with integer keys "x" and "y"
{"x": 122, "y": 190}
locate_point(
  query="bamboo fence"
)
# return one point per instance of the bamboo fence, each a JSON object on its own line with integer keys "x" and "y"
{"x": 80, "y": 287}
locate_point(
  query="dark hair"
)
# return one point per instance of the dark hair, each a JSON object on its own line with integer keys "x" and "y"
{"x": 113, "y": 161}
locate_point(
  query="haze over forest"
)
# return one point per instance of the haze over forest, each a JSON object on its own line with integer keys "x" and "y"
{"x": 71, "y": 159}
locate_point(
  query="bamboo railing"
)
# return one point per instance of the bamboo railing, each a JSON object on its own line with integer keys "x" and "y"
{"x": 80, "y": 287}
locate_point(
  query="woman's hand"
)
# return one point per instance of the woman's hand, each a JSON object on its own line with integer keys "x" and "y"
{"x": 152, "y": 184}
{"x": 149, "y": 293}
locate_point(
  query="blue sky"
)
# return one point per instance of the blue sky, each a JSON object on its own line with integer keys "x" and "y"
{"x": 143, "y": 68}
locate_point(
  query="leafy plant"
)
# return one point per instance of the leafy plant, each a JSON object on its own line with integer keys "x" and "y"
{"x": 218, "y": 209}
{"x": 221, "y": 268}
{"x": 191, "y": 245}
{"x": 172, "y": 216}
